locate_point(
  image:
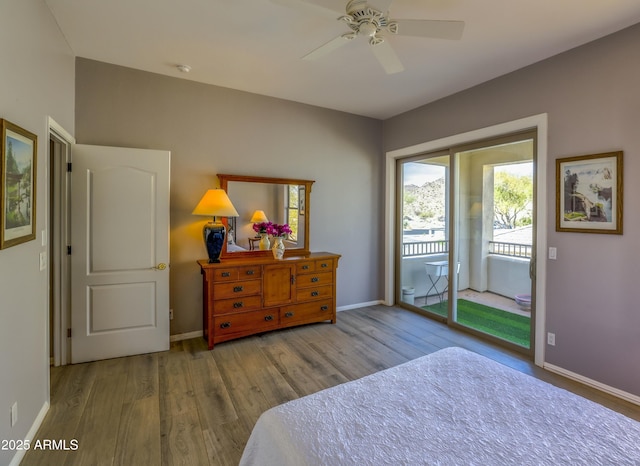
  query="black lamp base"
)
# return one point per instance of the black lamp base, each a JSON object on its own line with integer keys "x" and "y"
{"x": 214, "y": 234}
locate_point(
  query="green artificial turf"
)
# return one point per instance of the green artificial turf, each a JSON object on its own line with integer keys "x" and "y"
{"x": 511, "y": 327}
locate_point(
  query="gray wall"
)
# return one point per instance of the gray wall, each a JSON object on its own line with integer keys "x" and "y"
{"x": 591, "y": 96}
{"x": 36, "y": 81}
{"x": 212, "y": 130}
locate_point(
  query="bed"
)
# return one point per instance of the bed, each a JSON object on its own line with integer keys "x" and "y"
{"x": 452, "y": 407}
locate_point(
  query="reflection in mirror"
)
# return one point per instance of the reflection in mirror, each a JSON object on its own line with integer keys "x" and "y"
{"x": 280, "y": 200}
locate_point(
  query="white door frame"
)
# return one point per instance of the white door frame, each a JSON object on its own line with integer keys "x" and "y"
{"x": 58, "y": 251}
{"x": 537, "y": 122}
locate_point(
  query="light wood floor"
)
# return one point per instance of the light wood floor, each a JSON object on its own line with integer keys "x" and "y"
{"x": 194, "y": 406}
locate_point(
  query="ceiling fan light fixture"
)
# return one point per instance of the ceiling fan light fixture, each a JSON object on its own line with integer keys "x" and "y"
{"x": 373, "y": 23}
{"x": 367, "y": 29}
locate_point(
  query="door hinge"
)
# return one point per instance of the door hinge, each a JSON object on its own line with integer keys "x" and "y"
{"x": 69, "y": 333}
{"x": 68, "y": 250}
{"x": 69, "y": 167}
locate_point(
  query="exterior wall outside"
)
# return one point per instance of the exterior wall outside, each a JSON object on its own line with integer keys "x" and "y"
{"x": 415, "y": 276}
{"x": 590, "y": 96}
{"x": 37, "y": 81}
{"x": 508, "y": 276}
{"x": 212, "y": 130}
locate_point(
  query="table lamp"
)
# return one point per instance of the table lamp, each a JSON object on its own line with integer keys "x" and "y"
{"x": 215, "y": 203}
{"x": 259, "y": 217}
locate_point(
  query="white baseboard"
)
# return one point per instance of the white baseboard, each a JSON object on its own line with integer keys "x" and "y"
{"x": 186, "y": 336}
{"x": 356, "y": 306}
{"x": 17, "y": 458}
{"x": 594, "y": 384}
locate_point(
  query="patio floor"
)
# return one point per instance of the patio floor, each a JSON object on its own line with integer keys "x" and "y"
{"x": 486, "y": 298}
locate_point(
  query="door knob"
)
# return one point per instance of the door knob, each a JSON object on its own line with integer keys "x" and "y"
{"x": 161, "y": 266}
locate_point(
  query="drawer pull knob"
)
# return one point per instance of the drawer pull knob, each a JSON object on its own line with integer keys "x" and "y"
{"x": 225, "y": 325}
{"x": 250, "y": 272}
{"x": 324, "y": 308}
{"x": 314, "y": 279}
{"x": 324, "y": 265}
{"x": 238, "y": 305}
{"x": 226, "y": 274}
{"x": 315, "y": 293}
{"x": 237, "y": 289}
{"x": 268, "y": 318}
{"x": 305, "y": 267}
{"x": 288, "y": 314}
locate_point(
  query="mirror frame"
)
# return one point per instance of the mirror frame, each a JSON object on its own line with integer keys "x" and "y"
{"x": 303, "y": 251}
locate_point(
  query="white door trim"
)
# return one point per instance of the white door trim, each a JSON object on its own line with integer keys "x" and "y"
{"x": 61, "y": 316}
{"x": 538, "y": 122}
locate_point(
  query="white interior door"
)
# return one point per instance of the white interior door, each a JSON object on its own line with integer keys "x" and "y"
{"x": 120, "y": 252}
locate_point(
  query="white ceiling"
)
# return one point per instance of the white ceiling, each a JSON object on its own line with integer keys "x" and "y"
{"x": 257, "y": 45}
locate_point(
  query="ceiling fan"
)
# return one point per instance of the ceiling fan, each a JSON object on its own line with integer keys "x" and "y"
{"x": 370, "y": 19}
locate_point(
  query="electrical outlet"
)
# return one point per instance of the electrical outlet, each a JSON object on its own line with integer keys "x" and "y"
{"x": 14, "y": 414}
{"x": 170, "y": 314}
{"x": 551, "y": 339}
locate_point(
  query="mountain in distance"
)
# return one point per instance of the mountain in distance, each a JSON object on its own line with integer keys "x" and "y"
{"x": 424, "y": 206}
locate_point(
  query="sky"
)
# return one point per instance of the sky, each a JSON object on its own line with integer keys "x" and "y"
{"x": 420, "y": 173}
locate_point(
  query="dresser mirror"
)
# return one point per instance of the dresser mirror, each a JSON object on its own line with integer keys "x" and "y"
{"x": 282, "y": 200}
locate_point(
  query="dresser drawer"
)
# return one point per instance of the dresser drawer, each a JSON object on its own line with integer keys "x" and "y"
{"x": 305, "y": 267}
{"x": 235, "y": 289}
{"x": 316, "y": 311}
{"x": 236, "y": 273}
{"x": 314, "y": 266}
{"x": 317, "y": 292}
{"x": 237, "y": 304}
{"x": 325, "y": 265}
{"x": 314, "y": 279}
{"x": 245, "y": 323}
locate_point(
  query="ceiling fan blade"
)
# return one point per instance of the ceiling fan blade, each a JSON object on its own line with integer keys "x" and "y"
{"x": 387, "y": 57}
{"x": 327, "y": 48}
{"x": 430, "y": 28}
{"x": 328, "y": 8}
{"x": 380, "y": 5}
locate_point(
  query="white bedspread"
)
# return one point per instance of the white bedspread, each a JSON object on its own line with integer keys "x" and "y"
{"x": 452, "y": 407}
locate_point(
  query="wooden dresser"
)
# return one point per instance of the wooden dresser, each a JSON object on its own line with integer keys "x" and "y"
{"x": 256, "y": 294}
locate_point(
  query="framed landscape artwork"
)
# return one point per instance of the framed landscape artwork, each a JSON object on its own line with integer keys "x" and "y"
{"x": 18, "y": 149}
{"x": 589, "y": 193}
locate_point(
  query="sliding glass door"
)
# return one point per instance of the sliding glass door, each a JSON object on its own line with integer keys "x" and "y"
{"x": 466, "y": 229}
{"x": 424, "y": 209}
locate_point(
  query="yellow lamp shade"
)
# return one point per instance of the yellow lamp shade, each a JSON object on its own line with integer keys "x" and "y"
{"x": 259, "y": 217}
{"x": 215, "y": 203}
